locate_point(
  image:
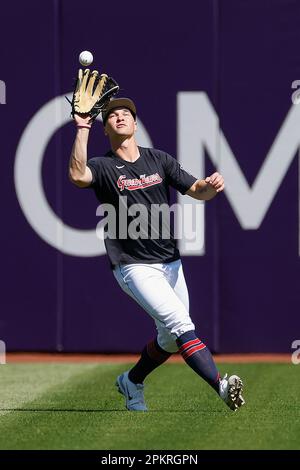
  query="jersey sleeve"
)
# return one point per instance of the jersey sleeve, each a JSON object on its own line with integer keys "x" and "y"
{"x": 177, "y": 177}
{"x": 94, "y": 165}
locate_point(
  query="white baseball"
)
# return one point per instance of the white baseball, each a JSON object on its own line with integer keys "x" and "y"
{"x": 86, "y": 58}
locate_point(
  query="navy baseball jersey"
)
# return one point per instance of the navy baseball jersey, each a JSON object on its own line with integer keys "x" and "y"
{"x": 145, "y": 181}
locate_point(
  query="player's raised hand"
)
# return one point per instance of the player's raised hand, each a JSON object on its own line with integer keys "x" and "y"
{"x": 216, "y": 181}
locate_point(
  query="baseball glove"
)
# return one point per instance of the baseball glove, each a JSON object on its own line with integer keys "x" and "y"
{"x": 92, "y": 93}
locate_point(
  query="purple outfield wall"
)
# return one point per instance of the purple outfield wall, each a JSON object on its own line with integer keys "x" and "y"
{"x": 212, "y": 82}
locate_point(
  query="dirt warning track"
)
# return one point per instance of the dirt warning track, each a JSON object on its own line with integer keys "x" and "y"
{"x": 18, "y": 357}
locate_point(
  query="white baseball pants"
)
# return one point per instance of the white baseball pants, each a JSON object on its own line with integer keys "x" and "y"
{"x": 161, "y": 290}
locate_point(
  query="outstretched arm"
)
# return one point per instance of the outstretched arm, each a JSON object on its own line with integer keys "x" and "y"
{"x": 79, "y": 173}
{"x": 204, "y": 190}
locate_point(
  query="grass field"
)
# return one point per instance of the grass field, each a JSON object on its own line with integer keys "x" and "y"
{"x": 76, "y": 406}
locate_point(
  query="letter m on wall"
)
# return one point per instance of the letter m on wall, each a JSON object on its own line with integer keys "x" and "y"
{"x": 199, "y": 131}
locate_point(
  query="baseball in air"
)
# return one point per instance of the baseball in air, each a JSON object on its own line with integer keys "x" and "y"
{"x": 86, "y": 58}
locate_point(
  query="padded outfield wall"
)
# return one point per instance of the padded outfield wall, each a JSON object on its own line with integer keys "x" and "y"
{"x": 213, "y": 83}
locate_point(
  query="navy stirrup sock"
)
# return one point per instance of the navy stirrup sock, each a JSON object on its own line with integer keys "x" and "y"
{"x": 152, "y": 356}
{"x": 199, "y": 358}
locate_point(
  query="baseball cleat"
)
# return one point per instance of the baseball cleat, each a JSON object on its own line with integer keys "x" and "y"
{"x": 231, "y": 392}
{"x": 134, "y": 393}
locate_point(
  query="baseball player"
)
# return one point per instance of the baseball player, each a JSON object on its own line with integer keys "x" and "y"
{"x": 148, "y": 269}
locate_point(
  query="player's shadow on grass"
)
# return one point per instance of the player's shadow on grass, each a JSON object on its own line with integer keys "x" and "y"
{"x": 106, "y": 410}
{"x": 57, "y": 410}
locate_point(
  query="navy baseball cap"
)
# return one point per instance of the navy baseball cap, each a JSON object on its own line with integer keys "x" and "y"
{"x": 118, "y": 103}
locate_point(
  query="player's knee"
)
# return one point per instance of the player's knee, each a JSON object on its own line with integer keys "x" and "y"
{"x": 182, "y": 326}
{"x": 168, "y": 332}
{"x": 167, "y": 342}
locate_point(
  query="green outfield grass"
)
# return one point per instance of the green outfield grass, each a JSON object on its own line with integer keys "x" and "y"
{"x": 76, "y": 406}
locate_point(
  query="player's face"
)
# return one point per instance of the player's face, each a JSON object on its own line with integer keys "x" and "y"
{"x": 120, "y": 122}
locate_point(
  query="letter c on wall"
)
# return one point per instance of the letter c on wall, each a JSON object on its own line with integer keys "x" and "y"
{"x": 29, "y": 185}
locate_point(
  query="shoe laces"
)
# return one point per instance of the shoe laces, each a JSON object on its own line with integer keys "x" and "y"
{"x": 136, "y": 390}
